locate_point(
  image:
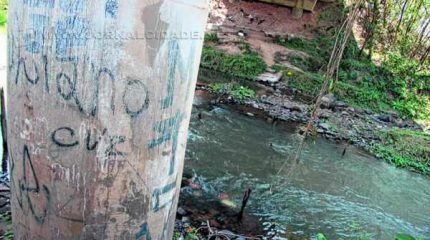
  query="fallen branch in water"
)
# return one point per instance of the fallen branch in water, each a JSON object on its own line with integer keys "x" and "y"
{"x": 244, "y": 202}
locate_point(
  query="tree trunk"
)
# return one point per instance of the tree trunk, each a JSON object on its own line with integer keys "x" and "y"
{"x": 99, "y": 101}
{"x": 405, "y": 3}
{"x": 418, "y": 42}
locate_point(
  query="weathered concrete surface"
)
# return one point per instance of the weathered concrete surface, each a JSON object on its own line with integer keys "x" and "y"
{"x": 99, "y": 100}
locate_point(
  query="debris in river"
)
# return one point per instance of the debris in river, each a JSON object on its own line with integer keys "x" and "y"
{"x": 244, "y": 202}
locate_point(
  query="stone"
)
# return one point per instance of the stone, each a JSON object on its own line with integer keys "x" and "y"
{"x": 181, "y": 211}
{"x": 296, "y": 108}
{"x": 340, "y": 104}
{"x": 328, "y": 100}
{"x": 324, "y": 114}
{"x": 269, "y": 77}
{"x": 384, "y": 118}
{"x": 324, "y": 126}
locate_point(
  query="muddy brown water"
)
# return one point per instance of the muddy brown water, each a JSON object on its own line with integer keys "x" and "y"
{"x": 345, "y": 197}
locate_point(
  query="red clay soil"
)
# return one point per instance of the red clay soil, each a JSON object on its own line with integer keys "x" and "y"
{"x": 262, "y": 17}
{"x": 238, "y": 21}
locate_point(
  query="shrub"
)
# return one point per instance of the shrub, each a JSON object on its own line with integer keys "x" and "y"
{"x": 247, "y": 65}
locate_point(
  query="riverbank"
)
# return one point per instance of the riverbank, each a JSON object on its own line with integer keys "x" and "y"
{"x": 387, "y": 136}
{"x": 273, "y": 64}
{"x": 343, "y": 196}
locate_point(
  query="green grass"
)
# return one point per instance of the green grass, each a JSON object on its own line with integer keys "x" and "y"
{"x": 238, "y": 92}
{"x": 7, "y": 221}
{"x": 211, "y": 37}
{"x": 247, "y": 65}
{"x": 307, "y": 83}
{"x": 398, "y": 84}
{"x": 3, "y": 14}
{"x": 405, "y": 148}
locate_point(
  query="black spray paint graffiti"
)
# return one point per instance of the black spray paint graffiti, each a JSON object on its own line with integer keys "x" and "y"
{"x": 169, "y": 130}
{"x": 135, "y": 97}
{"x": 22, "y": 64}
{"x": 63, "y": 143}
{"x": 29, "y": 186}
{"x": 66, "y": 137}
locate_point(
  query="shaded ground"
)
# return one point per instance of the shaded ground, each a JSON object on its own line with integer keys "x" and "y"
{"x": 256, "y": 23}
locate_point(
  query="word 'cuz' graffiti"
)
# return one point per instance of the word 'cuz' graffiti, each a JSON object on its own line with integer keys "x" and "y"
{"x": 65, "y": 137}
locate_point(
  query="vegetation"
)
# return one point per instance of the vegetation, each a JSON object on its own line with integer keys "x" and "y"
{"x": 399, "y": 236}
{"x": 211, "y": 37}
{"x": 6, "y": 220}
{"x": 247, "y": 65}
{"x": 190, "y": 233}
{"x": 399, "y": 83}
{"x": 236, "y": 91}
{"x": 3, "y": 13}
{"x": 405, "y": 148}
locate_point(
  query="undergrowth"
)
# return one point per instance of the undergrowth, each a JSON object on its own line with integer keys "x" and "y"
{"x": 3, "y": 13}
{"x": 405, "y": 148}
{"x": 397, "y": 84}
{"x": 6, "y": 220}
{"x": 247, "y": 65}
{"x": 236, "y": 91}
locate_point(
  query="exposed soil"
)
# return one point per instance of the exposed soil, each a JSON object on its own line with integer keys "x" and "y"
{"x": 256, "y": 23}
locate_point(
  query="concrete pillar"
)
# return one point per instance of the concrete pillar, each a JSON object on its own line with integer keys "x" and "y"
{"x": 298, "y": 9}
{"x": 98, "y": 100}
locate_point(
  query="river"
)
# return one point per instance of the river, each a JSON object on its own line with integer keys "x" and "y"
{"x": 354, "y": 196}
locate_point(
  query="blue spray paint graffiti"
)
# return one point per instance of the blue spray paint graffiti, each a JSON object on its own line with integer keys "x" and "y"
{"x": 173, "y": 57}
{"x": 160, "y": 191}
{"x": 176, "y": 65}
{"x": 169, "y": 130}
{"x": 72, "y": 6}
{"x": 40, "y": 3}
{"x": 70, "y": 33}
{"x": 111, "y": 8}
{"x": 143, "y": 232}
{"x": 34, "y": 41}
